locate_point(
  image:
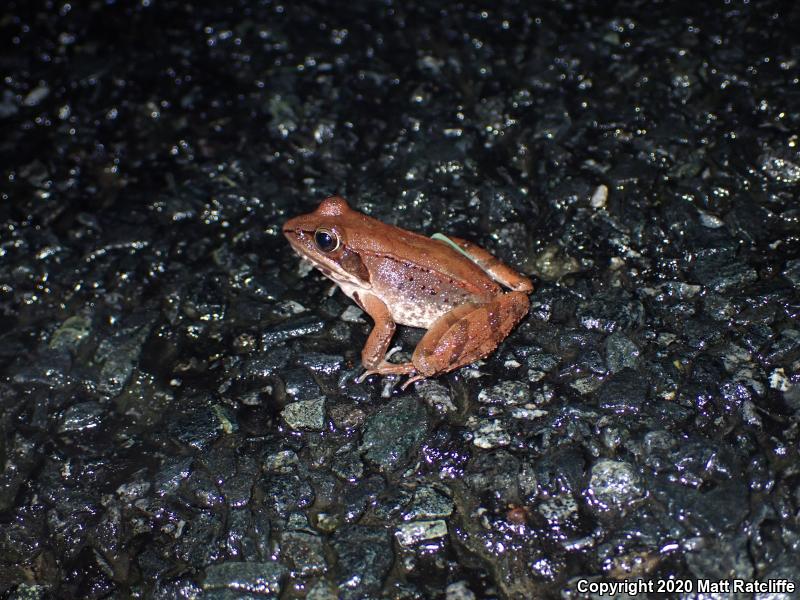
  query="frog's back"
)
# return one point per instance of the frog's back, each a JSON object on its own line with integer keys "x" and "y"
{"x": 420, "y": 279}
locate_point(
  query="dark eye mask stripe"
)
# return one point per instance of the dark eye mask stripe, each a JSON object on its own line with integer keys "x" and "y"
{"x": 352, "y": 263}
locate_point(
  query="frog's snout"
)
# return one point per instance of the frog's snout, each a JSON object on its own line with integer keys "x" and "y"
{"x": 290, "y": 228}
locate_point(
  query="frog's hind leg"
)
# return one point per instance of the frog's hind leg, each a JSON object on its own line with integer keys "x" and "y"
{"x": 468, "y": 333}
{"x": 432, "y": 338}
{"x": 498, "y": 270}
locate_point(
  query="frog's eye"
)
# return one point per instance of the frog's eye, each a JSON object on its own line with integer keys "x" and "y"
{"x": 326, "y": 240}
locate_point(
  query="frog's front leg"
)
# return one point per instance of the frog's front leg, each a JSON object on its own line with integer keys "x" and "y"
{"x": 373, "y": 355}
{"x": 467, "y": 333}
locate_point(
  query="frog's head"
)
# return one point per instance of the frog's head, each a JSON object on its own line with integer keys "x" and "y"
{"x": 322, "y": 238}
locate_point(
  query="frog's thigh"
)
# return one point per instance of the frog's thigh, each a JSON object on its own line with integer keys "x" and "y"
{"x": 467, "y": 333}
{"x": 498, "y": 270}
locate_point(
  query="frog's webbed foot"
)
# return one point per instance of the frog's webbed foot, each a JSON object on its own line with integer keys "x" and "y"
{"x": 387, "y": 368}
{"x": 395, "y": 371}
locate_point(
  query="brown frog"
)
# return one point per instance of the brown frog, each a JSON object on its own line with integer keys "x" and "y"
{"x": 446, "y": 285}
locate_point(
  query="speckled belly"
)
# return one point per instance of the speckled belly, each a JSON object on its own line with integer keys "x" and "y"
{"x": 415, "y": 314}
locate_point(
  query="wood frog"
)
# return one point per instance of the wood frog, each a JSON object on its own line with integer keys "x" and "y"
{"x": 446, "y": 285}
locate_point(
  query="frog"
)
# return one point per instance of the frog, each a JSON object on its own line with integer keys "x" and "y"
{"x": 446, "y": 285}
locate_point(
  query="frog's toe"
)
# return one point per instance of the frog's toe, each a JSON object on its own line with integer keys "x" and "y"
{"x": 387, "y": 368}
{"x": 411, "y": 380}
{"x": 364, "y": 375}
{"x": 391, "y": 352}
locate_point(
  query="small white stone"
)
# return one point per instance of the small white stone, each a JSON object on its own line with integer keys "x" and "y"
{"x": 352, "y": 314}
{"x": 779, "y": 381}
{"x": 490, "y": 434}
{"x": 599, "y": 197}
{"x": 710, "y": 221}
{"x": 290, "y": 307}
{"x": 526, "y": 413}
{"x": 459, "y": 591}
{"x": 414, "y": 532}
